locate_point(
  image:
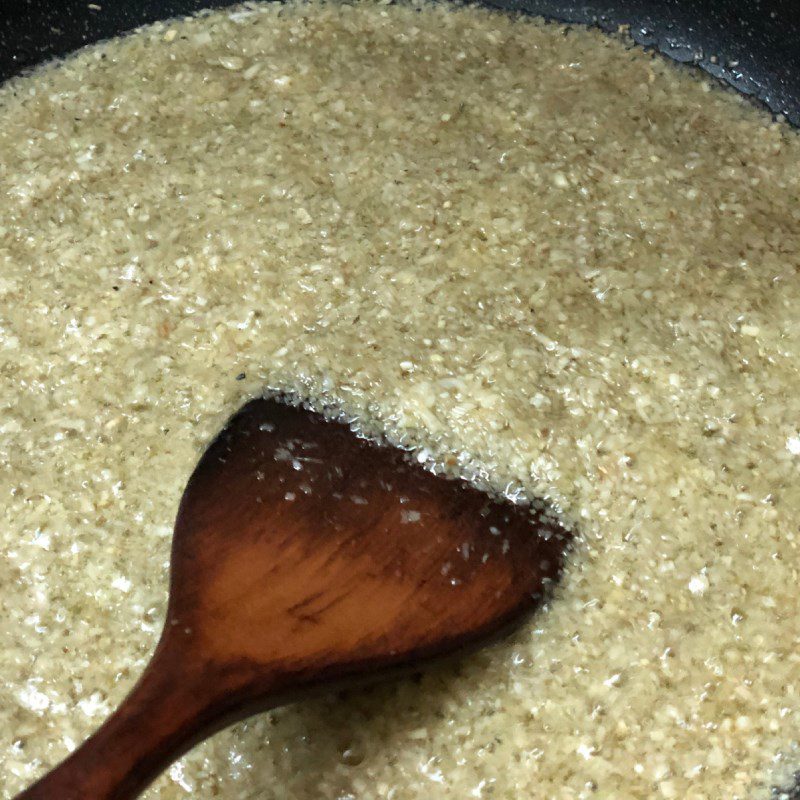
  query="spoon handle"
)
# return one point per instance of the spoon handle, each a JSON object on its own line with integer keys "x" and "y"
{"x": 164, "y": 715}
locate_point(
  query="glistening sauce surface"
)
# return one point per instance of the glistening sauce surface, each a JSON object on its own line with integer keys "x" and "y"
{"x": 536, "y": 253}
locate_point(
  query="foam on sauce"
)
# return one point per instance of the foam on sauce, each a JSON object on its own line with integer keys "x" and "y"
{"x": 542, "y": 258}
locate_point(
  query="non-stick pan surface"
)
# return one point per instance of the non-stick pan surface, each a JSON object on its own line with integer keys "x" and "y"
{"x": 753, "y": 45}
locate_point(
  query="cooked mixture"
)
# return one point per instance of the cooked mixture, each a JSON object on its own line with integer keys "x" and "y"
{"x": 554, "y": 259}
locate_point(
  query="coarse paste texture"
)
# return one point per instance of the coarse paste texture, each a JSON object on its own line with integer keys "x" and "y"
{"x": 531, "y": 251}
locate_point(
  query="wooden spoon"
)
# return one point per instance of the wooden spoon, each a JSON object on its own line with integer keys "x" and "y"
{"x": 305, "y": 558}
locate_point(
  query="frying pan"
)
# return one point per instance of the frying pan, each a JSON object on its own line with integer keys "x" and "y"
{"x": 752, "y": 45}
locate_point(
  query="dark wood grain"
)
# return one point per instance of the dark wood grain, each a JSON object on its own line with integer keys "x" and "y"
{"x": 305, "y": 557}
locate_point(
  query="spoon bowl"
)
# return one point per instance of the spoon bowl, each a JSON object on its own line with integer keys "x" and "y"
{"x": 306, "y": 558}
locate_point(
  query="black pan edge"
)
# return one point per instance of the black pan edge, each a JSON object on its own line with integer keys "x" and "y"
{"x": 753, "y": 46}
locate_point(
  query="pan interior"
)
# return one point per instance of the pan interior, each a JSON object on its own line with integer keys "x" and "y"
{"x": 547, "y": 261}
